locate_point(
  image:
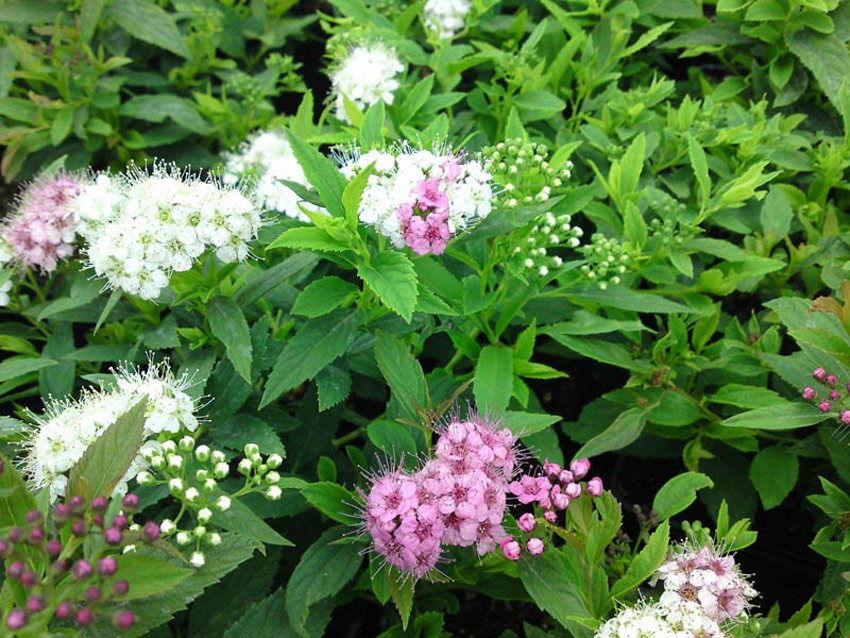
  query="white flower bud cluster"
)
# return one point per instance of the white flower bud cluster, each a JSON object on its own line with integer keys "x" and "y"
{"x": 446, "y": 17}
{"x": 367, "y": 74}
{"x": 532, "y": 250}
{"x": 67, "y": 428}
{"x": 524, "y": 171}
{"x": 606, "y": 260}
{"x": 263, "y": 161}
{"x": 145, "y": 225}
{"x": 399, "y": 171}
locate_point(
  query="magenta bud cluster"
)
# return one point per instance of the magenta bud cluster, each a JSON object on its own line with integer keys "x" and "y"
{"x": 834, "y": 396}
{"x": 43, "y": 533}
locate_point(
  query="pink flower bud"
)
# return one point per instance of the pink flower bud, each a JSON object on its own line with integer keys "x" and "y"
{"x": 17, "y": 569}
{"x": 29, "y": 579}
{"x": 92, "y": 595}
{"x": 809, "y": 393}
{"x": 78, "y": 528}
{"x": 831, "y": 380}
{"x": 59, "y": 567}
{"x": 819, "y": 374}
{"x": 85, "y": 617}
{"x": 510, "y": 548}
{"x": 559, "y": 499}
{"x": 844, "y": 417}
{"x": 65, "y": 610}
{"x": 34, "y": 517}
{"x": 36, "y": 603}
{"x": 551, "y": 516}
{"x": 124, "y": 619}
{"x": 113, "y": 536}
{"x": 77, "y": 505}
{"x": 834, "y": 395}
{"x": 5, "y": 549}
{"x": 526, "y": 522}
{"x": 107, "y": 566}
{"x": 81, "y": 570}
{"x": 97, "y": 520}
{"x": 120, "y": 522}
{"x": 120, "y": 587}
{"x": 565, "y": 476}
{"x": 36, "y": 536}
{"x": 594, "y": 486}
{"x": 534, "y": 546}
{"x": 53, "y": 547}
{"x": 573, "y": 490}
{"x": 130, "y": 503}
{"x": 150, "y": 531}
{"x": 579, "y": 468}
{"x": 17, "y": 534}
{"x": 824, "y": 406}
{"x": 61, "y": 514}
{"x": 99, "y": 504}
{"x": 551, "y": 469}
{"x": 17, "y": 619}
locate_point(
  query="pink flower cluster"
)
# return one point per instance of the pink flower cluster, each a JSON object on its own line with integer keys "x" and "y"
{"x": 42, "y": 229}
{"x": 708, "y": 578}
{"x": 424, "y": 223}
{"x": 457, "y": 498}
{"x": 834, "y": 394}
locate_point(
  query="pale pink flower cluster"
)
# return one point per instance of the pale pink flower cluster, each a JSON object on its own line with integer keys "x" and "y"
{"x": 41, "y": 231}
{"x": 424, "y": 223}
{"x": 708, "y": 578}
{"x": 457, "y": 498}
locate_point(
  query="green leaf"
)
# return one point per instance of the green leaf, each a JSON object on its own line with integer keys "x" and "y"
{"x": 812, "y": 629}
{"x": 401, "y": 591}
{"x": 494, "y": 378}
{"x": 392, "y": 277}
{"x": 322, "y": 296}
{"x": 61, "y": 126}
{"x": 784, "y": 416}
{"x": 158, "y": 108}
{"x": 826, "y": 56}
{"x": 19, "y": 366}
{"x": 634, "y": 225}
{"x": 745, "y": 396}
{"x": 229, "y": 326}
{"x": 603, "y": 351}
{"x": 538, "y": 105}
{"x": 393, "y": 438}
{"x": 678, "y": 493}
{"x": 699, "y": 164}
{"x": 89, "y": 17}
{"x": 315, "y": 346}
{"x": 631, "y": 166}
{"x": 626, "y": 299}
{"x": 309, "y": 238}
{"x": 16, "y": 499}
{"x": 776, "y": 215}
{"x": 402, "y": 372}
{"x": 334, "y": 385}
{"x": 352, "y": 195}
{"x": 370, "y": 127}
{"x": 773, "y": 472}
{"x": 320, "y": 173}
{"x": 332, "y": 500}
{"x": 323, "y": 570}
{"x": 148, "y": 575}
{"x": 113, "y": 300}
{"x": 107, "y": 460}
{"x": 586, "y": 323}
{"x": 416, "y": 98}
{"x": 241, "y": 519}
{"x": 267, "y": 280}
{"x": 546, "y": 579}
{"x": 645, "y": 563}
{"x": 528, "y": 423}
{"x": 150, "y": 23}
{"x": 625, "y": 429}
{"x": 158, "y": 609}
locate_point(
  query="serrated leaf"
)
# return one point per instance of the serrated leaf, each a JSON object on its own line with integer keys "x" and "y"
{"x": 320, "y": 173}
{"x": 150, "y": 23}
{"x": 773, "y": 472}
{"x": 678, "y": 493}
{"x": 392, "y": 277}
{"x": 782, "y": 416}
{"x": 229, "y": 326}
{"x": 148, "y": 575}
{"x": 334, "y": 385}
{"x": 322, "y": 296}
{"x": 241, "y": 519}
{"x": 402, "y": 372}
{"x": 16, "y": 499}
{"x": 494, "y": 378}
{"x": 332, "y": 500}
{"x": 645, "y": 563}
{"x": 625, "y": 429}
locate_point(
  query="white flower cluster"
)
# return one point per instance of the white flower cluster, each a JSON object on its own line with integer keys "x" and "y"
{"x": 684, "y": 620}
{"x": 446, "y": 16}
{"x": 143, "y": 226}
{"x": 5, "y": 257}
{"x": 263, "y": 160}
{"x": 400, "y": 172}
{"x": 365, "y": 76}
{"x": 67, "y": 428}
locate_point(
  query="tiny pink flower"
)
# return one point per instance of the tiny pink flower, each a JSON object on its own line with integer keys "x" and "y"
{"x": 527, "y": 522}
{"x": 552, "y": 470}
{"x": 534, "y": 546}
{"x": 844, "y": 417}
{"x": 834, "y": 395}
{"x": 529, "y": 489}
{"x": 594, "y": 486}
{"x": 551, "y": 516}
{"x": 831, "y": 380}
{"x": 560, "y": 500}
{"x": 579, "y": 468}
{"x": 573, "y": 490}
{"x": 431, "y": 197}
{"x": 510, "y": 548}
{"x": 810, "y": 393}
{"x": 565, "y": 477}
{"x": 819, "y": 374}
{"x": 824, "y": 406}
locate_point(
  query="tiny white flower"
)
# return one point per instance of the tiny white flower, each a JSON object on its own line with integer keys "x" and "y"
{"x": 197, "y": 559}
{"x": 202, "y": 453}
{"x": 272, "y": 478}
{"x": 175, "y": 485}
{"x": 204, "y": 515}
{"x": 199, "y": 531}
{"x": 183, "y": 538}
{"x": 217, "y": 456}
{"x": 175, "y": 462}
{"x": 245, "y": 466}
{"x": 192, "y": 494}
{"x": 210, "y": 485}
{"x": 213, "y": 538}
{"x": 169, "y": 446}
{"x": 274, "y": 493}
{"x": 223, "y": 503}
{"x": 144, "y": 478}
{"x": 167, "y": 527}
{"x": 221, "y": 470}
